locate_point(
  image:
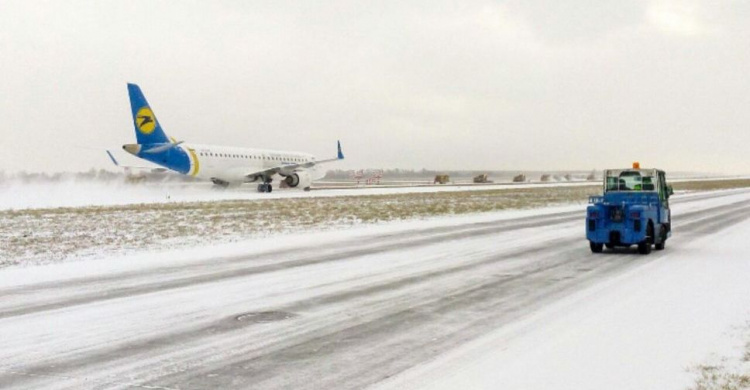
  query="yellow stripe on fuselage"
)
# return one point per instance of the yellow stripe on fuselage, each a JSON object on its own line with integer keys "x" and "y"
{"x": 196, "y": 163}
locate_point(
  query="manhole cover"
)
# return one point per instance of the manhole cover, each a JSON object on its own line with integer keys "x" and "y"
{"x": 265, "y": 316}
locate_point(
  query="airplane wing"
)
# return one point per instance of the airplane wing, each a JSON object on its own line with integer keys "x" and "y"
{"x": 288, "y": 169}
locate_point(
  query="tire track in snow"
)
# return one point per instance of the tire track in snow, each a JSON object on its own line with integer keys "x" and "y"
{"x": 434, "y": 235}
{"x": 485, "y": 305}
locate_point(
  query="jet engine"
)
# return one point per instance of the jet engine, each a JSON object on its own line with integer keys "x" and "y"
{"x": 299, "y": 179}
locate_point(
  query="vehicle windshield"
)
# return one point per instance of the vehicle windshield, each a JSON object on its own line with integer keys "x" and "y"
{"x": 630, "y": 180}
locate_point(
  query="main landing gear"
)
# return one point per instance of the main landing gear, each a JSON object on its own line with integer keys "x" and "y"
{"x": 265, "y": 187}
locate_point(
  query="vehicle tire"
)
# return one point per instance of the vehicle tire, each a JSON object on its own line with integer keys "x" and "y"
{"x": 663, "y": 235}
{"x": 595, "y": 247}
{"x": 644, "y": 247}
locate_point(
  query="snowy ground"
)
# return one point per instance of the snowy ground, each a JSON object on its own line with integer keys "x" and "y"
{"x": 510, "y": 299}
{"x": 77, "y": 193}
{"x": 72, "y": 193}
{"x": 47, "y": 235}
{"x": 33, "y": 236}
{"x": 657, "y": 326}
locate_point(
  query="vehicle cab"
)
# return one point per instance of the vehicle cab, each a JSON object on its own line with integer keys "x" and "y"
{"x": 633, "y": 210}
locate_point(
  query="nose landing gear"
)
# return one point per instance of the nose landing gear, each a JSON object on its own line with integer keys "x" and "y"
{"x": 266, "y": 185}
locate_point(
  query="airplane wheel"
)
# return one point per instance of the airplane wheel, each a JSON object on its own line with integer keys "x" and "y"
{"x": 261, "y": 188}
{"x": 269, "y": 188}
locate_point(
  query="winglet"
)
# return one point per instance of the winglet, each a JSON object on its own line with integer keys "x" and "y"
{"x": 341, "y": 155}
{"x": 111, "y": 157}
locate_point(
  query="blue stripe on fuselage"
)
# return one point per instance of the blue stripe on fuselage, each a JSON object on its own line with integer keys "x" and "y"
{"x": 175, "y": 158}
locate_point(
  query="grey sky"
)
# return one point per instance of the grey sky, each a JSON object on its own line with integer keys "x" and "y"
{"x": 445, "y": 85}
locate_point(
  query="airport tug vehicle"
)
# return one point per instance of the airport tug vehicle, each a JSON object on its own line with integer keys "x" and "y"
{"x": 634, "y": 210}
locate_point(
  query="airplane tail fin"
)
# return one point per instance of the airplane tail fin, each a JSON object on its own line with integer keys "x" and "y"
{"x": 340, "y": 155}
{"x": 147, "y": 128}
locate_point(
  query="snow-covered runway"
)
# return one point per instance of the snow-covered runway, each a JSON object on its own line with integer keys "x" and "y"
{"x": 333, "y": 310}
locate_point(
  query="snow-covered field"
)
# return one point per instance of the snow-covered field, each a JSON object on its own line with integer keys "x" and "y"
{"x": 72, "y": 193}
{"x": 115, "y": 223}
{"x": 33, "y": 236}
{"x": 506, "y": 299}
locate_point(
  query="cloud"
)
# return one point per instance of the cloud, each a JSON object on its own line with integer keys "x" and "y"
{"x": 403, "y": 84}
{"x": 678, "y": 18}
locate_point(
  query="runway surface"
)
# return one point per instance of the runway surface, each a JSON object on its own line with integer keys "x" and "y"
{"x": 339, "y": 313}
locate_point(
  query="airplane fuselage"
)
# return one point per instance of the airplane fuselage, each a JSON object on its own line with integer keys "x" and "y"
{"x": 222, "y": 163}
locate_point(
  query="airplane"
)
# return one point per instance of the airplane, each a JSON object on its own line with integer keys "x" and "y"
{"x": 222, "y": 165}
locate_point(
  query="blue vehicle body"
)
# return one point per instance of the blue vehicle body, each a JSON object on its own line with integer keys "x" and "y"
{"x": 634, "y": 210}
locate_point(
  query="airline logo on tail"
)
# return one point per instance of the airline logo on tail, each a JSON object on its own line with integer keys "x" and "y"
{"x": 145, "y": 121}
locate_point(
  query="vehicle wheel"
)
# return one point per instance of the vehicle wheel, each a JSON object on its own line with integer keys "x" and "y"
{"x": 596, "y": 248}
{"x": 663, "y": 235}
{"x": 644, "y": 247}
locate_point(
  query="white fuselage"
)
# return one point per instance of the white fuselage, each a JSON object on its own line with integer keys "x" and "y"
{"x": 233, "y": 164}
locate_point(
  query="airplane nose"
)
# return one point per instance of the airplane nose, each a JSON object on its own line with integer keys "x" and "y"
{"x": 132, "y": 148}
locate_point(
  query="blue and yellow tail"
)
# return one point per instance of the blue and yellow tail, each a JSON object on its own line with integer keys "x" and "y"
{"x": 147, "y": 128}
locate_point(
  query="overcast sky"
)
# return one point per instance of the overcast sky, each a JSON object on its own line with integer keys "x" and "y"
{"x": 526, "y": 84}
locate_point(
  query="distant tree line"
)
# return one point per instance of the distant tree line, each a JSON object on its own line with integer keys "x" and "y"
{"x": 395, "y": 174}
